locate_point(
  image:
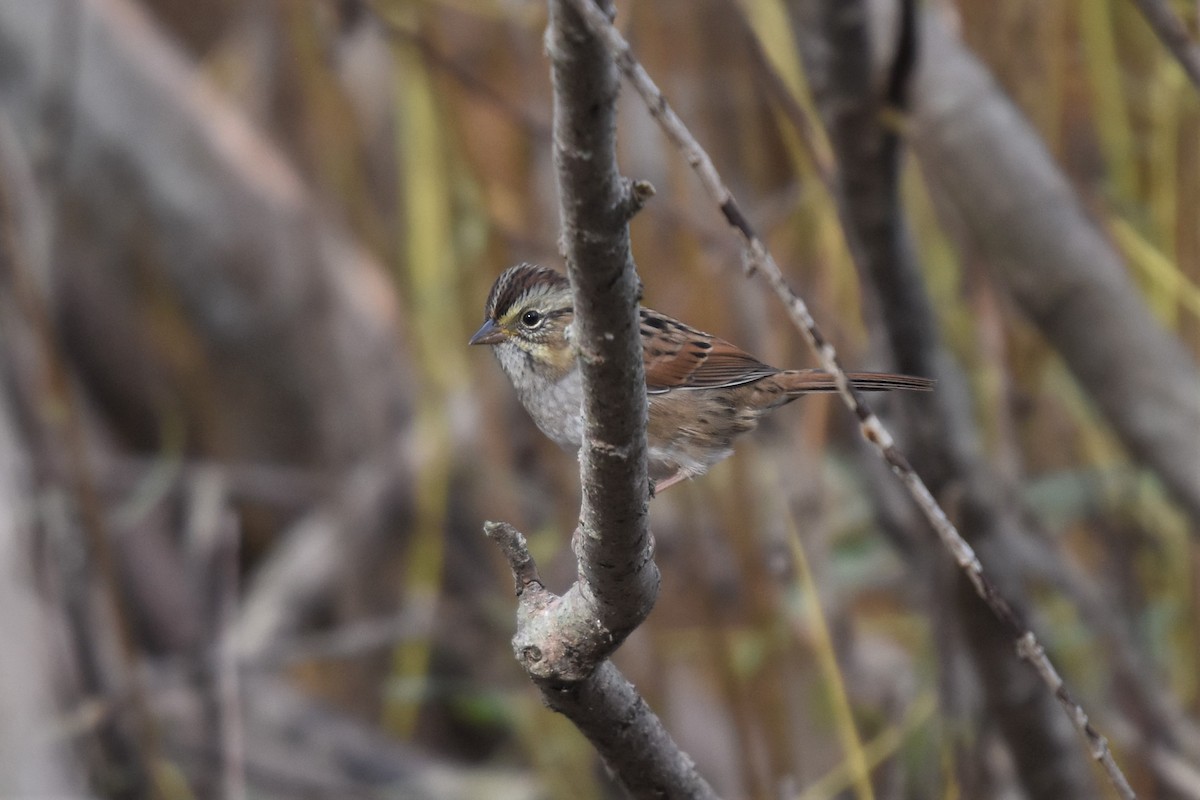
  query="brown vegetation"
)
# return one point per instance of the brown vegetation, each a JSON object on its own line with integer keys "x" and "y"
{"x": 245, "y": 453}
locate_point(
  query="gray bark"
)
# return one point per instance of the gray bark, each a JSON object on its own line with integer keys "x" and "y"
{"x": 564, "y": 642}
{"x": 613, "y": 543}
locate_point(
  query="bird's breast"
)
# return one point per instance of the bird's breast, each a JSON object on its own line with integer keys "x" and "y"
{"x": 553, "y": 398}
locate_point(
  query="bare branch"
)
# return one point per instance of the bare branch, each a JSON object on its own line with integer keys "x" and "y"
{"x": 618, "y": 581}
{"x": 564, "y": 642}
{"x": 613, "y": 543}
{"x": 512, "y": 544}
{"x": 617, "y": 577}
{"x": 604, "y": 706}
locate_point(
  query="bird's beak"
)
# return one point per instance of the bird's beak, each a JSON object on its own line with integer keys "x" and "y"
{"x": 489, "y": 333}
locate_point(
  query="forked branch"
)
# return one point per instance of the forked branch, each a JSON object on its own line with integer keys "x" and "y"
{"x": 563, "y": 642}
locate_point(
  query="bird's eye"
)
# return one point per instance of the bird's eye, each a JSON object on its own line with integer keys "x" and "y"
{"x": 532, "y": 318}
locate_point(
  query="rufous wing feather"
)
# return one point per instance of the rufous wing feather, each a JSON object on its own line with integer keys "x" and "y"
{"x": 677, "y": 356}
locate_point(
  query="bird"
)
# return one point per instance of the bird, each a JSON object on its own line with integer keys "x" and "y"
{"x": 702, "y": 392}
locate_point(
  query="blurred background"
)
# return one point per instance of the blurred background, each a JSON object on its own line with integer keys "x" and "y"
{"x": 245, "y": 452}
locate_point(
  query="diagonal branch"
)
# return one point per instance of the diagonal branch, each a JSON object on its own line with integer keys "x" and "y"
{"x": 760, "y": 261}
{"x": 946, "y": 446}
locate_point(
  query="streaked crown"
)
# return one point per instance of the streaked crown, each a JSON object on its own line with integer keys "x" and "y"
{"x": 519, "y": 285}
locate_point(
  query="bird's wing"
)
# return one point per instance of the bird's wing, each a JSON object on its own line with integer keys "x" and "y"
{"x": 677, "y": 356}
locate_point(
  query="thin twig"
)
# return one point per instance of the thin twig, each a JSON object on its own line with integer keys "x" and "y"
{"x": 864, "y": 127}
{"x": 516, "y": 551}
{"x": 760, "y": 261}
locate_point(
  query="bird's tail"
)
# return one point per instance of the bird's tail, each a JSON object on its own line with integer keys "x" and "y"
{"x": 804, "y": 381}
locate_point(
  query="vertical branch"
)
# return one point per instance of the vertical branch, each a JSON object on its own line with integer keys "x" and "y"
{"x": 612, "y": 544}
{"x": 564, "y": 642}
{"x": 617, "y": 578}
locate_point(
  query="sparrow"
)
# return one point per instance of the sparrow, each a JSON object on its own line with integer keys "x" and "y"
{"x": 702, "y": 392}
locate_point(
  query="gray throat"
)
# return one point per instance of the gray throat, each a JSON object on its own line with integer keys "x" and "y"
{"x": 555, "y": 403}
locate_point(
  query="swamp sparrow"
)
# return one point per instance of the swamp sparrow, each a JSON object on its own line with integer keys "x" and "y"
{"x": 702, "y": 391}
